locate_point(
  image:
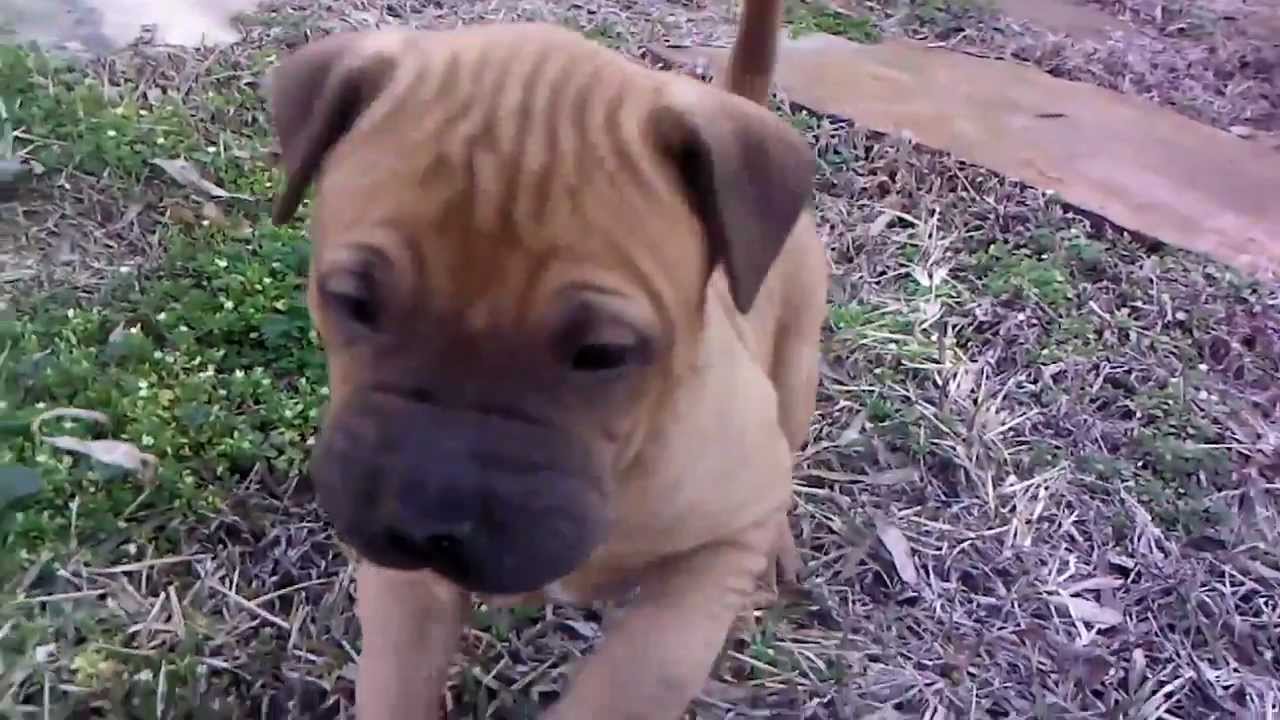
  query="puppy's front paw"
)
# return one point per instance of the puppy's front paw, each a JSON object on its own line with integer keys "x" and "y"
{"x": 783, "y": 571}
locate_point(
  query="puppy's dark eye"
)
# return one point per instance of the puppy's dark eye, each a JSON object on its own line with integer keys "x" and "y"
{"x": 353, "y": 295}
{"x": 593, "y": 341}
{"x": 358, "y": 308}
{"x": 599, "y": 357}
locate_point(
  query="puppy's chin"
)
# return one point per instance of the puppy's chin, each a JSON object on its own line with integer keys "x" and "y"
{"x": 496, "y": 505}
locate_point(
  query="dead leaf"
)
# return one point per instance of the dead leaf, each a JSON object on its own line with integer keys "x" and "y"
{"x": 131, "y": 213}
{"x": 724, "y": 692}
{"x": 117, "y": 334}
{"x": 189, "y": 176}
{"x": 1092, "y": 668}
{"x": 1137, "y": 670}
{"x": 585, "y": 631}
{"x": 1205, "y": 544}
{"x": 213, "y": 214}
{"x": 930, "y": 310}
{"x": 77, "y": 413}
{"x": 1088, "y": 610}
{"x": 858, "y": 537}
{"x": 897, "y": 476}
{"x": 1258, "y": 571}
{"x": 884, "y": 713}
{"x": 1094, "y": 583}
{"x": 853, "y": 431}
{"x": 242, "y": 228}
{"x": 182, "y": 214}
{"x": 111, "y": 452}
{"x": 878, "y": 225}
{"x": 900, "y": 550}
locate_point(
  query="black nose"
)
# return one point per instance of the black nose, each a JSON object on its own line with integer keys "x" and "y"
{"x": 445, "y": 550}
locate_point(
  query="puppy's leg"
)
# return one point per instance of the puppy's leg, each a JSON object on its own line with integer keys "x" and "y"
{"x": 656, "y": 659}
{"x": 410, "y": 622}
{"x": 785, "y": 562}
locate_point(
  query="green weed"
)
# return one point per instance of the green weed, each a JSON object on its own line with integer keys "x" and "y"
{"x": 608, "y": 34}
{"x": 1020, "y": 275}
{"x": 803, "y": 18}
{"x": 207, "y": 362}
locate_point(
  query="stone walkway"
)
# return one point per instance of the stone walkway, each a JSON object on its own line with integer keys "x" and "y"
{"x": 1143, "y": 166}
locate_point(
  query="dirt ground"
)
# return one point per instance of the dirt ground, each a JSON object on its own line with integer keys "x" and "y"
{"x": 1042, "y": 481}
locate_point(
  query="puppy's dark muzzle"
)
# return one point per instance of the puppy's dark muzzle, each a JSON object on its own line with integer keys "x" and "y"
{"x": 495, "y": 504}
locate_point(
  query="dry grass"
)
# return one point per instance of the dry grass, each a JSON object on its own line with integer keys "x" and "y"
{"x": 1042, "y": 481}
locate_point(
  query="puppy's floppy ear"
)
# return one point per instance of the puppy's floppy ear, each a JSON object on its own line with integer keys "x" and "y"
{"x": 315, "y": 96}
{"x": 747, "y": 174}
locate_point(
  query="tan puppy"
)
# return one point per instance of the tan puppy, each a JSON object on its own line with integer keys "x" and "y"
{"x": 571, "y": 312}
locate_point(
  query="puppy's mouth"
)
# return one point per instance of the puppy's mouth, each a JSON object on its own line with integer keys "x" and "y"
{"x": 481, "y": 563}
{"x": 496, "y": 504}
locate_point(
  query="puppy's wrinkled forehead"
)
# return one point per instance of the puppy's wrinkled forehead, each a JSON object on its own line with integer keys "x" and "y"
{"x": 503, "y": 155}
{"x": 506, "y": 166}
